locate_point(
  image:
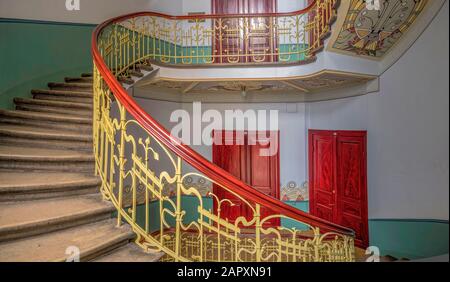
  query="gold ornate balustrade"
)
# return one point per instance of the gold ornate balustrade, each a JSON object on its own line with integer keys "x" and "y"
{"x": 285, "y": 38}
{"x": 169, "y": 194}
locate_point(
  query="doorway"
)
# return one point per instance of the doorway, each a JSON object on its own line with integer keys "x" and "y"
{"x": 239, "y": 40}
{"x": 239, "y": 153}
{"x": 338, "y": 179}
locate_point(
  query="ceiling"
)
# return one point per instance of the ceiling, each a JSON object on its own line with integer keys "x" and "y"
{"x": 319, "y": 86}
{"x": 373, "y": 33}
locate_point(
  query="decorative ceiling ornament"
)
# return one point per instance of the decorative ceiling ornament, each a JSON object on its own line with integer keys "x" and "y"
{"x": 373, "y": 32}
{"x": 329, "y": 80}
{"x": 324, "y": 80}
{"x": 234, "y": 86}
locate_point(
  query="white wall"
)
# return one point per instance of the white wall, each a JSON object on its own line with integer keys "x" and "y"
{"x": 291, "y": 125}
{"x": 408, "y": 129}
{"x": 91, "y": 11}
{"x": 205, "y": 5}
{"x": 97, "y": 11}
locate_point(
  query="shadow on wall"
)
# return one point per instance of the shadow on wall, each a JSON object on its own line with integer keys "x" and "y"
{"x": 33, "y": 53}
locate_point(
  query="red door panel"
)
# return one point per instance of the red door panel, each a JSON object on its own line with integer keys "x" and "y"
{"x": 246, "y": 163}
{"x": 228, "y": 41}
{"x": 225, "y": 156}
{"x": 338, "y": 179}
{"x": 351, "y": 180}
{"x": 322, "y": 197}
{"x": 264, "y": 170}
{"x": 259, "y": 39}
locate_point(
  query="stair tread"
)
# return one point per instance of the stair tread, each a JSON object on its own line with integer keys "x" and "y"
{"x": 17, "y": 152}
{"x": 71, "y": 84}
{"x": 46, "y": 116}
{"x": 72, "y": 79}
{"x": 130, "y": 253}
{"x": 52, "y": 246}
{"x": 63, "y": 92}
{"x": 44, "y": 132}
{"x": 18, "y": 214}
{"x": 54, "y": 103}
{"x": 11, "y": 180}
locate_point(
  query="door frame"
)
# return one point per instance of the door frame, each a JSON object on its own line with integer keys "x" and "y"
{"x": 364, "y": 196}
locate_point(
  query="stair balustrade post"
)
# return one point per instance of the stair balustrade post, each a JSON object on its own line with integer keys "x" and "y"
{"x": 121, "y": 160}
{"x": 258, "y": 232}
{"x": 178, "y": 212}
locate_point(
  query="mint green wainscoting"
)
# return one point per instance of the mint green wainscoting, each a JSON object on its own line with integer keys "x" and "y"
{"x": 33, "y": 53}
{"x": 409, "y": 238}
{"x": 401, "y": 238}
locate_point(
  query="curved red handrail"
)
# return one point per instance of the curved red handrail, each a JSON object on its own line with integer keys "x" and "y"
{"x": 209, "y": 169}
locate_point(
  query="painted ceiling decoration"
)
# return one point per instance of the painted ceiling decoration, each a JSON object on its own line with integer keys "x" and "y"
{"x": 320, "y": 81}
{"x": 372, "y": 33}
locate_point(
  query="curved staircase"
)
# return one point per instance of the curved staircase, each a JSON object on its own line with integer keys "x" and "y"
{"x": 49, "y": 196}
{"x": 52, "y": 204}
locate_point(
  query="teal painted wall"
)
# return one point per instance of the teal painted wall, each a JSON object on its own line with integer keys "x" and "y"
{"x": 409, "y": 238}
{"x": 401, "y": 238}
{"x": 35, "y": 53}
{"x": 190, "y": 204}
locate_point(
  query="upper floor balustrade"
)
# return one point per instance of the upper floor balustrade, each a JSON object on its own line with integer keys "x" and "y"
{"x": 280, "y": 38}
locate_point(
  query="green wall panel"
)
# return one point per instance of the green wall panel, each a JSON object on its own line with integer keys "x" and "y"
{"x": 35, "y": 53}
{"x": 401, "y": 238}
{"x": 409, "y": 238}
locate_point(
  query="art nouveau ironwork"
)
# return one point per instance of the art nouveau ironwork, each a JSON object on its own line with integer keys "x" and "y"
{"x": 147, "y": 174}
{"x": 216, "y": 39}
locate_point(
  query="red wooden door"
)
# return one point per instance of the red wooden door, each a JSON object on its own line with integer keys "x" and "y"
{"x": 239, "y": 42}
{"x": 338, "y": 179}
{"x": 228, "y": 40}
{"x": 242, "y": 157}
{"x": 231, "y": 158}
{"x": 351, "y": 184}
{"x": 322, "y": 196}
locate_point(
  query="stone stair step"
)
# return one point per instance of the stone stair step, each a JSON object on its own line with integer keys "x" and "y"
{"x": 71, "y": 86}
{"x": 40, "y": 159}
{"x": 24, "y": 219}
{"x": 136, "y": 73}
{"x": 47, "y": 120}
{"x": 93, "y": 240}
{"x": 54, "y": 110}
{"x": 50, "y": 117}
{"x": 130, "y": 253}
{"x": 44, "y": 137}
{"x": 145, "y": 67}
{"x": 126, "y": 80}
{"x": 61, "y": 95}
{"x": 78, "y": 79}
{"x": 56, "y": 104}
{"x": 82, "y": 94}
{"x": 21, "y": 186}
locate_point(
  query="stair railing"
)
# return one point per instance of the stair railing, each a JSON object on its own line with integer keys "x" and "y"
{"x": 262, "y": 39}
{"x": 171, "y": 196}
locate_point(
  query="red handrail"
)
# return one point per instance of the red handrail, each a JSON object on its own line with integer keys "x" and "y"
{"x": 190, "y": 156}
{"x": 216, "y": 16}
